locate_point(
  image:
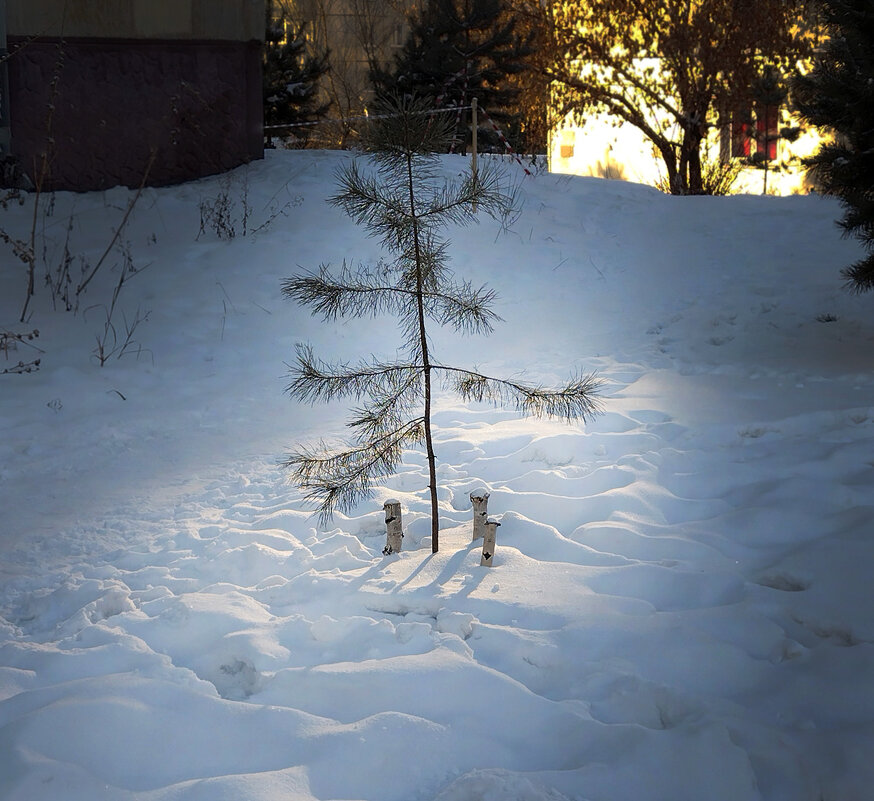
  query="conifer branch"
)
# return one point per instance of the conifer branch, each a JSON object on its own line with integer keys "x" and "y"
{"x": 338, "y": 480}
{"x": 466, "y": 309}
{"x": 388, "y": 406}
{"x": 410, "y": 128}
{"x": 364, "y": 196}
{"x": 577, "y": 399}
{"x": 486, "y": 193}
{"x": 388, "y": 215}
{"x": 382, "y": 210}
{"x": 349, "y": 294}
{"x": 431, "y": 263}
{"x": 316, "y": 381}
{"x": 362, "y": 294}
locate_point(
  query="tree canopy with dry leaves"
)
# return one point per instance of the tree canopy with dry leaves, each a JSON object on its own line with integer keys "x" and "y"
{"x": 673, "y": 69}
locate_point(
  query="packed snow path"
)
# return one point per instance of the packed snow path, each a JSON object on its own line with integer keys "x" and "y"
{"x": 679, "y": 606}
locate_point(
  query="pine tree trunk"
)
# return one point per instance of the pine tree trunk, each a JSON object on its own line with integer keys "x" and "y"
{"x": 432, "y": 466}
{"x": 426, "y": 365}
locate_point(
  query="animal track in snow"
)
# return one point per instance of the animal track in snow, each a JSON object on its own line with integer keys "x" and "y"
{"x": 783, "y": 582}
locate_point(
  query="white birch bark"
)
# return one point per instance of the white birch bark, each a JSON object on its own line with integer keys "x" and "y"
{"x": 489, "y": 539}
{"x": 480, "y": 501}
{"x": 394, "y": 532}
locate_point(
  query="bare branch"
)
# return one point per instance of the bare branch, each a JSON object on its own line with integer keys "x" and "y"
{"x": 121, "y": 225}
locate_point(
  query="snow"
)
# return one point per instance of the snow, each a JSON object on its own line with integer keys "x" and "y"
{"x": 679, "y": 607}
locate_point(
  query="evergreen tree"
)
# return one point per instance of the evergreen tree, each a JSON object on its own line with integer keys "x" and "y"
{"x": 838, "y": 95}
{"x": 290, "y": 76}
{"x": 404, "y": 203}
{"x": 460, "y": 49}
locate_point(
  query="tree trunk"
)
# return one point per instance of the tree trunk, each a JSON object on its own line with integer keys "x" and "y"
{"x": 692, "y": 143}
{"x": 670, "y": 160}
{"x": 432, "y": 466}
{"x": 480, "y": 501}
{"x": 426, "y": 364}
{"x": 489, "y": 540}
{"x": 394, "y": 529}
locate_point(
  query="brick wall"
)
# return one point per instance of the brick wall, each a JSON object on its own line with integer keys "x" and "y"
{"x": 195, "y": 105}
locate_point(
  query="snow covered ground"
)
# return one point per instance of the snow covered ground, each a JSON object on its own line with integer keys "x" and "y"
{"x": 680, "y": 607}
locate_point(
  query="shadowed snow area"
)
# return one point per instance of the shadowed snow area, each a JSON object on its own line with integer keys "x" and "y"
{"x": 679, "y": 607}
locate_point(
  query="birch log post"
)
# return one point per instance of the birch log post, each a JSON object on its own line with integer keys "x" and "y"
{"x": 394, "y": 532}
{"x": 489, "y": 539}
{"x": 480, "y": 501}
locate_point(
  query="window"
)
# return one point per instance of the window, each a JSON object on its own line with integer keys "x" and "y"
{"x": 741, "y": 142}
{"x": 566, "y": 144}
{"x": 767, "y": 132}
{"x": 398, "y": 35}
{"x": 754, "y": 133}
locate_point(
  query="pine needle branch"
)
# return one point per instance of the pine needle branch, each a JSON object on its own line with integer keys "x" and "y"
{"x": 408, "y": 125}
{"x": 338, "y": 480}
{"x": 430, "y": 264}
{"x": 387, "y": 213}
{"x": 316, "y": 381}
{"x": 351, "y": 294}
{"x": 383, "y": 211}
{"x": 486, "y": 193}
{"x": 466, "y": 309}
{"x": 363, "y": 293}
{"x": 577, "y": 399}
{"x": 388, "y": 408}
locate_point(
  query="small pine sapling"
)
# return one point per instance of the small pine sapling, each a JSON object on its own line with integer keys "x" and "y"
{"x": 404, "y": 202}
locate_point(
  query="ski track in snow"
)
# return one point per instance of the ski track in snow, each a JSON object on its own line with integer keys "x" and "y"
{"x": 679, "y": 606}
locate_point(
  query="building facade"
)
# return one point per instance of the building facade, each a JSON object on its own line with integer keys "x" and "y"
{"x": 604, "y": 149}
{"x": 109, "y": 92}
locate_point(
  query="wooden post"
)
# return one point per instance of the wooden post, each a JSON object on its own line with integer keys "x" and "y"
{"x": 394, "y": 533}
{"x": 473, "y": 131}
{"x": 480, "y": 501}
{"x": 489, "y": 543}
